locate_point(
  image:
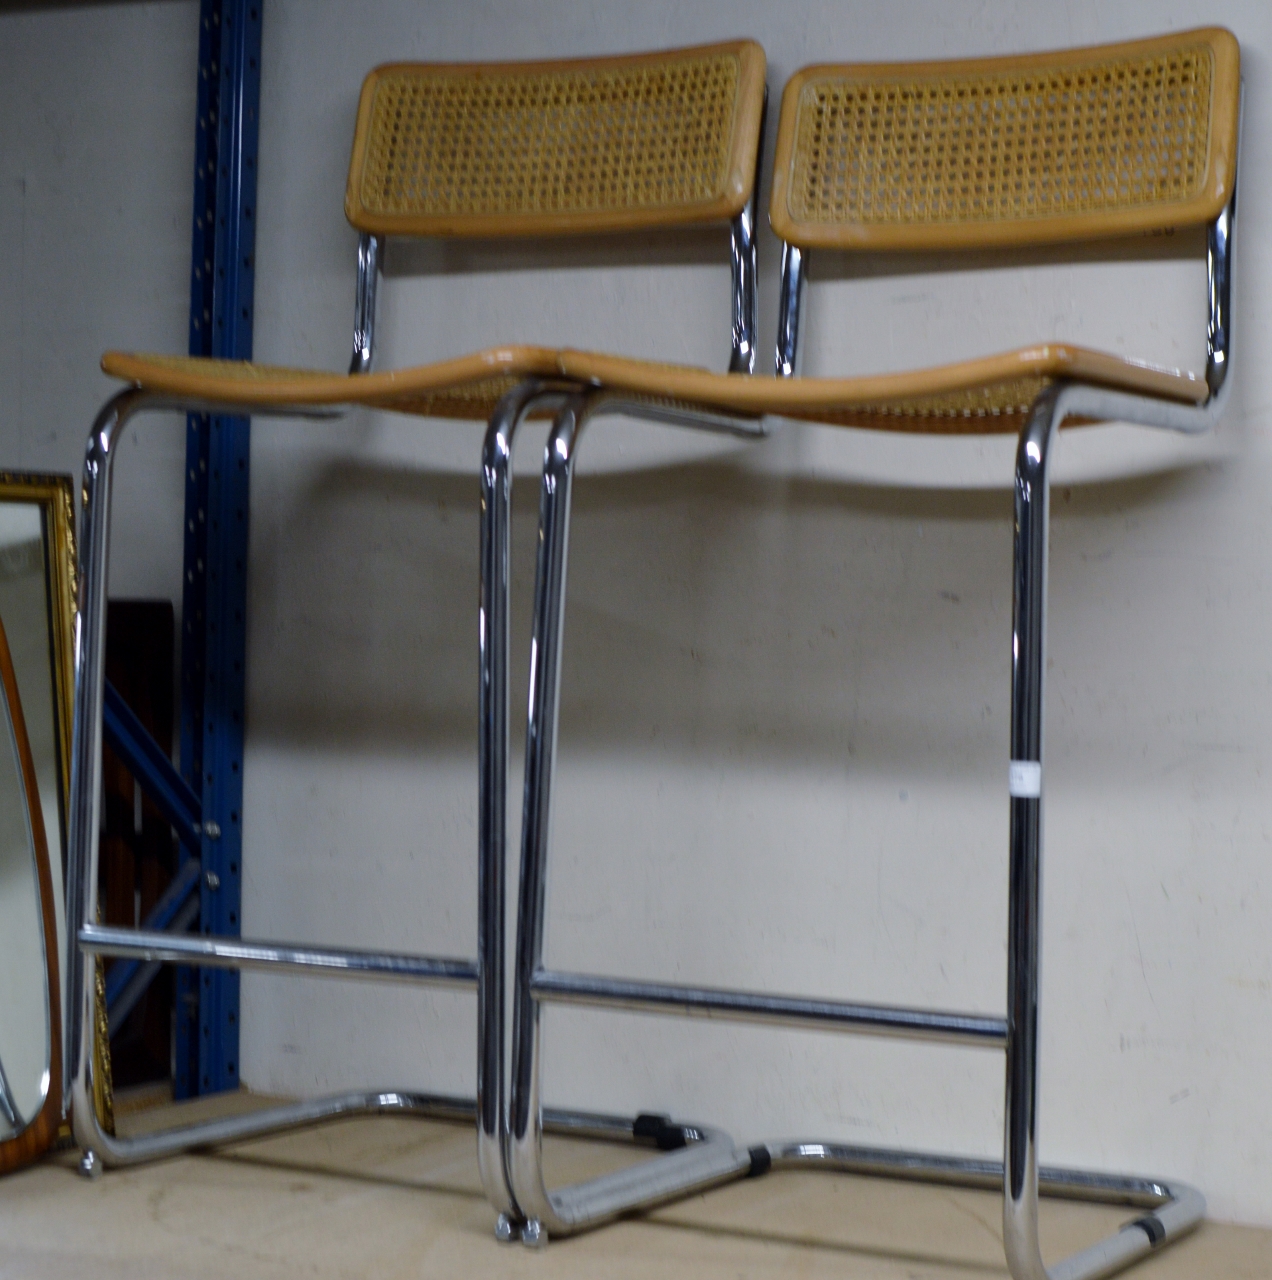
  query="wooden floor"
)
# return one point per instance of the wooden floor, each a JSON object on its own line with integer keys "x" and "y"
{"x": 397, "y": 1197}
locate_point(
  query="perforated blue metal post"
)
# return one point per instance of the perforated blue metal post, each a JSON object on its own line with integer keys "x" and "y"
{"x": 213, "y": 660}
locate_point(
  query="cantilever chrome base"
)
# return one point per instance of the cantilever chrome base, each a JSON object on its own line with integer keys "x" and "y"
{"x": 1172, "y": 1209}
{"x": 705, "y": 1154}
{"x": 106, "y": 1149}
{"x": 87, "y": 939}
{"x": 708, "y": 1160}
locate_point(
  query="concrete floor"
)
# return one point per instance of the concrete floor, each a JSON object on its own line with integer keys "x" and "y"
{"x": 398, "y": 1197}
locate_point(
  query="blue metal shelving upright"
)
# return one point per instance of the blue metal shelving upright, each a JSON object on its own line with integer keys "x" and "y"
{"x": 214, "y": 606}
{"x": 204, "y": 803}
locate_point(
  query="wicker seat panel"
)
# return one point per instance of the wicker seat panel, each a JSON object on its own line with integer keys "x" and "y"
{"x": 475, "y": 400}
{"x": 995, "y": 407}
{"x": 1084, "y": 143}
{"x": 537, "y": 148}
{"x": 975, "y": 397}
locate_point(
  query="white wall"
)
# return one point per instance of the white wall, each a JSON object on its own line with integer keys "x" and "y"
{"x": 96, "y": 181}
{"x": 786, "y": 690}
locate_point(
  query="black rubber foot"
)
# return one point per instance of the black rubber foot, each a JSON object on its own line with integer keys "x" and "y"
{"x": 761, "y": 1161}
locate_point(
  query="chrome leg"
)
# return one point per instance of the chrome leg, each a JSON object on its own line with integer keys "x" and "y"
{"x": 496, "y": 486}
{"x": 1020, "y": 1185}
{"x": 525, "y": 1166}
{"x": 86, "y": 763}
{"x": 1184, "y": 1209}
{"x": 697, "y": 1165}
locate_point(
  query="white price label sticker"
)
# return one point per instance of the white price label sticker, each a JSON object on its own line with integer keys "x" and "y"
{"x": 1024, "y": 779}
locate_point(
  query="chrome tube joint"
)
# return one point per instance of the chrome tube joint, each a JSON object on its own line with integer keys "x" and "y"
{"x": 370, "y": 254}
{"x": 745, "y": 264}
{"x": 744, "y": 261}
{"x": 790, "y": 311}
{"x": 1219, "y": 252}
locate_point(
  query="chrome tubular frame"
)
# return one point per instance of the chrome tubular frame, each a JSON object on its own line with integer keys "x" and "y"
{"x": 86, "y": 939}
{"x": 370, "y": 253}
{"x": 767, "y": 1010}
{"x": 493, "y": 1142}
{"x": 709, "y": 1157}
{"x": 1174, "y": 1208}
{"x": 492, "y": 750}
{"x": 744, "y": 264}
{"x": 289, "y": 957}
{"x": 1184, "y": 1206}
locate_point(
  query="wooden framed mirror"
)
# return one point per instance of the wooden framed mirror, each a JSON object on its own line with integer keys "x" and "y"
{"x": 37, "y": 610}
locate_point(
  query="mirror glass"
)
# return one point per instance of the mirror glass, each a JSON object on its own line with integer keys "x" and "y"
{"x": 37, "y": 617}
{"x": 26, "y": 606}
{"x": 25, "y": 1029}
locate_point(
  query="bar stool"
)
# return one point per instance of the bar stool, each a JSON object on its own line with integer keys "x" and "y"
{"x": 533, "y": 150}
{"x": 1060, "y": 147}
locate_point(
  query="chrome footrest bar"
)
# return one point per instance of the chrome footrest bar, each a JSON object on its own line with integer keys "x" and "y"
{"x": 295, "y": 957}
{"x": 773, "y": 1010}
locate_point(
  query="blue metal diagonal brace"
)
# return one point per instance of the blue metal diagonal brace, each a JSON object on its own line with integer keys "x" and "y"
{"x": 164, "y": 912}
{"x": 142, "y": 756}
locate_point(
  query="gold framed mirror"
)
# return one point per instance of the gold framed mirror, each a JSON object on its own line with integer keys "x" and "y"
{"x": 37, "y": 608}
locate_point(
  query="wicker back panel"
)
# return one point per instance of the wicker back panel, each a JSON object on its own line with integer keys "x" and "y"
{"x": 548, "y": 148}
{"x": 1081, "y": 144}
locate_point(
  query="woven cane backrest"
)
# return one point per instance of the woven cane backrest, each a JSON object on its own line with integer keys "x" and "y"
{"x": 543, "y": 148}
{"x": 1075, "y": 145}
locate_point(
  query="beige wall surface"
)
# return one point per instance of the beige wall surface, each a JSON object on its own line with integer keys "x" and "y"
{"x": 785, "y": 700}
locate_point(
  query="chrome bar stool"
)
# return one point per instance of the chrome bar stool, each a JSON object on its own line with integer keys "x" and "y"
{"x": 1080, "y": 145}
{"x": 534, "y": 150}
